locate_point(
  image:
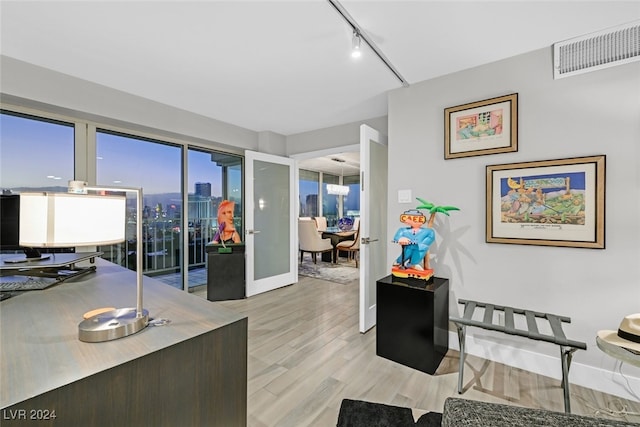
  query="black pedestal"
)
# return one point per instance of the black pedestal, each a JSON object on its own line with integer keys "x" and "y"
{"x": 225, "y": 272}
{"x": 413, "y": 321}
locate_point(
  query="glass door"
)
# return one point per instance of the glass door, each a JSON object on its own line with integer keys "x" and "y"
{"x": 271, "y": 225}
{"x": 214, "y": 181}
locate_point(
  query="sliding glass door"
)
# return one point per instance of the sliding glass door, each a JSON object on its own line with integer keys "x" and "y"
{"x": 214, "y": 180}
{"x": 124, "y": 160}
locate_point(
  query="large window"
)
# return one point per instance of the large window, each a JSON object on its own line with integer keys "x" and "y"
{"x": 330, "y": 202}
{"x": 316, "y": 201}
{"x": 309, "y": 184}
{"x": 351, "y": 202}
{"x": 155, "y": 167}
{"x": 36, "y": 154}
{"x": 212, "y": 178}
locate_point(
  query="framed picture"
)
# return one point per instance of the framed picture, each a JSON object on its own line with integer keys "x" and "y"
{"x": 482, "y": 127}
{"x": 547, "y": 203}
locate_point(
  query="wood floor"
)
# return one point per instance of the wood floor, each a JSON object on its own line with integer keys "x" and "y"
{"x": 306, "y": 355}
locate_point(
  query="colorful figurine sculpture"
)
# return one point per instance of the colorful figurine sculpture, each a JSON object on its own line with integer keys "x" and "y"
{"x": 415, "y": 241}
{"x": 226, "y": 231}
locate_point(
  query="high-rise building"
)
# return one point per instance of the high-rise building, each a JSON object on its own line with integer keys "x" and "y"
{"x": 203, "y": 189}
{"x": 310, "y": 207}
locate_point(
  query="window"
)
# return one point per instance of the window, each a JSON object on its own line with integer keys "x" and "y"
{"x": 330, "y": 207}
{"x": 309, "y": 183}
{"x": 154, "y": 166}
{"x": 212, "y": 178}
{"x": 351, "y": 202}
{"x": 37, "y": 154}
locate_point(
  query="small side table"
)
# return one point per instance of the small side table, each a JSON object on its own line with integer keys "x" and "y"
{"x": 412, "y": 325}
{"x": 619, "y": 353}
{"x": 225, "y": 272}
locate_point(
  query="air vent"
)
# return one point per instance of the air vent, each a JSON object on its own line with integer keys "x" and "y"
{"x": 595, "y": 51}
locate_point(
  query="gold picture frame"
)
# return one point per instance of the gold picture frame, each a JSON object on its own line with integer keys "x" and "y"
{"x": 547, "y": 203}
{"x": 481, "y": 128}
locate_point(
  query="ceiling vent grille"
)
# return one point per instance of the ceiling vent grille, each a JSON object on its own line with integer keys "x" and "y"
{"x": 595, "y": 51}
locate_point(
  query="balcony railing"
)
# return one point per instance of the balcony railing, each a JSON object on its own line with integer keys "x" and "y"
{"x": 162, "y": 246}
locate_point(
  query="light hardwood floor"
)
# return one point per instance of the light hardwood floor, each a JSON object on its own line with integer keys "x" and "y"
{"x": 306, "y": 355}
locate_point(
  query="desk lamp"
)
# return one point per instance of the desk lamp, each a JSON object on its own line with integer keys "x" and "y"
{"x": 77, "y": 218}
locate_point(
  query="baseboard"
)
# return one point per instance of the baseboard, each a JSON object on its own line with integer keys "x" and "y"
{"x": 617, "y": 381}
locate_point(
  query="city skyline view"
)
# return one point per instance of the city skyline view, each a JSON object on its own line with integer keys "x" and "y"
{"x": 121, "y": 160}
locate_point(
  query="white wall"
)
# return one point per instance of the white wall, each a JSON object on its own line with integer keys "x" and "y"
{"x": 590, "y": 114}
{"x": 36, "y": 87}
{"x": 333, "y": 137}
{"x": 27, "y": 85}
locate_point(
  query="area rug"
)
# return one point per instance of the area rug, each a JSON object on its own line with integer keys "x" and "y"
{"x": 358, "y": 413}
{"x": 338, "y": 273}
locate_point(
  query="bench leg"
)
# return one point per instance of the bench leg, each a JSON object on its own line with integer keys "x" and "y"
{"x": 566, "y": 354}
{"x": 461, "y": 339}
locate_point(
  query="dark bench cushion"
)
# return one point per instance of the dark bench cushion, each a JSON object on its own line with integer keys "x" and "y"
{"x": 357, "y": 413}
{"x": 470, "y": 413}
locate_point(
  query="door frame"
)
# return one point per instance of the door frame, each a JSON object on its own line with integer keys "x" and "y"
{"x": 253, "y": 287}
{"x": 373, "y": 246}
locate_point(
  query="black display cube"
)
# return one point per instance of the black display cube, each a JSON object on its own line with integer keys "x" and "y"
{"x": 225, "y": 272}
{"x": 412, "y": 325}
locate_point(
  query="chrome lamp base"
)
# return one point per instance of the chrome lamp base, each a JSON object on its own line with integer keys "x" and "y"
{"x": 112, "y": 325}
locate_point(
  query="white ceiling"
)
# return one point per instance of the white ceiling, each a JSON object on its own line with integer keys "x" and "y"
{"x": 340, "y": 164}
{"x": 284, "y": 66}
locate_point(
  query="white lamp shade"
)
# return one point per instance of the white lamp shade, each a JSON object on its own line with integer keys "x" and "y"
{"x": 63, "y": 219}
{"x": 340, "y": 190}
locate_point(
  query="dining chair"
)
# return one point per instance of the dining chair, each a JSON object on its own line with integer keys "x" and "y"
{"x": 311, "y": 241}
{"x": 351, "y": 247}
{"x": 321, "y": 223}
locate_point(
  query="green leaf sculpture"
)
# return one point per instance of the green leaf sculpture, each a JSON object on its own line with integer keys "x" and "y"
{"x": 433, "y": 210}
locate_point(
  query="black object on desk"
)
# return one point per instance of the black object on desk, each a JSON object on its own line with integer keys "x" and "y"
{"x": 225, "y": 272}
{"x": 412, "y": 325}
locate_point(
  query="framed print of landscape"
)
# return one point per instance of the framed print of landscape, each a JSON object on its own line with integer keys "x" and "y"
{"x": 482, "y": 127}
{"x": 547, "y": 203}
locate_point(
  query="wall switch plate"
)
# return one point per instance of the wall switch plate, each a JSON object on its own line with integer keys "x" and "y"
{"x": 404, "y": 196}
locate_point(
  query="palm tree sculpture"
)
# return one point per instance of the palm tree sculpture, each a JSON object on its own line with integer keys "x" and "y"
{"x": 433, "y": 210}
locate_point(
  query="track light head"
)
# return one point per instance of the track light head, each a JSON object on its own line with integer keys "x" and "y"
{"x": 355, "y": 45}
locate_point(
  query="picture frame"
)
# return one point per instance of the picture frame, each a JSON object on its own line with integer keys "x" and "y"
{"x": 480, "y": 128}
{"x": 547, "y": 203}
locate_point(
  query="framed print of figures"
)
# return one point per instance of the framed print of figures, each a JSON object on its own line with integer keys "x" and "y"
{"x": 547, "y": 203}
{"x": 482, "y": 127}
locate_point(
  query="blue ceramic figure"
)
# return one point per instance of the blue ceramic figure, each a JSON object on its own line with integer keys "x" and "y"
{"x": 414, "y": 239}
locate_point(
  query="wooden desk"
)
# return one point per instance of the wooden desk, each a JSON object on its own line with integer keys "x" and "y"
{"x": 192, "y": 371}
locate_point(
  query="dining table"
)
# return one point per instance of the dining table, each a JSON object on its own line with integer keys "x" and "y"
{"x": 336, "y": 235}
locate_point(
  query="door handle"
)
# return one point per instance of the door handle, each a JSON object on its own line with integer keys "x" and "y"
{"x": 367, "y": 240}
{"x": 253, "y": 231}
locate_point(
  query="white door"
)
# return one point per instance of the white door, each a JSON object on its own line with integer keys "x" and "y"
{"x": 271, "y": 230}
{"x": 373, "y": 221}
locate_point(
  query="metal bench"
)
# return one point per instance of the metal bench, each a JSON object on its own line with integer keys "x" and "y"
{"x": 567, "y": 347}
